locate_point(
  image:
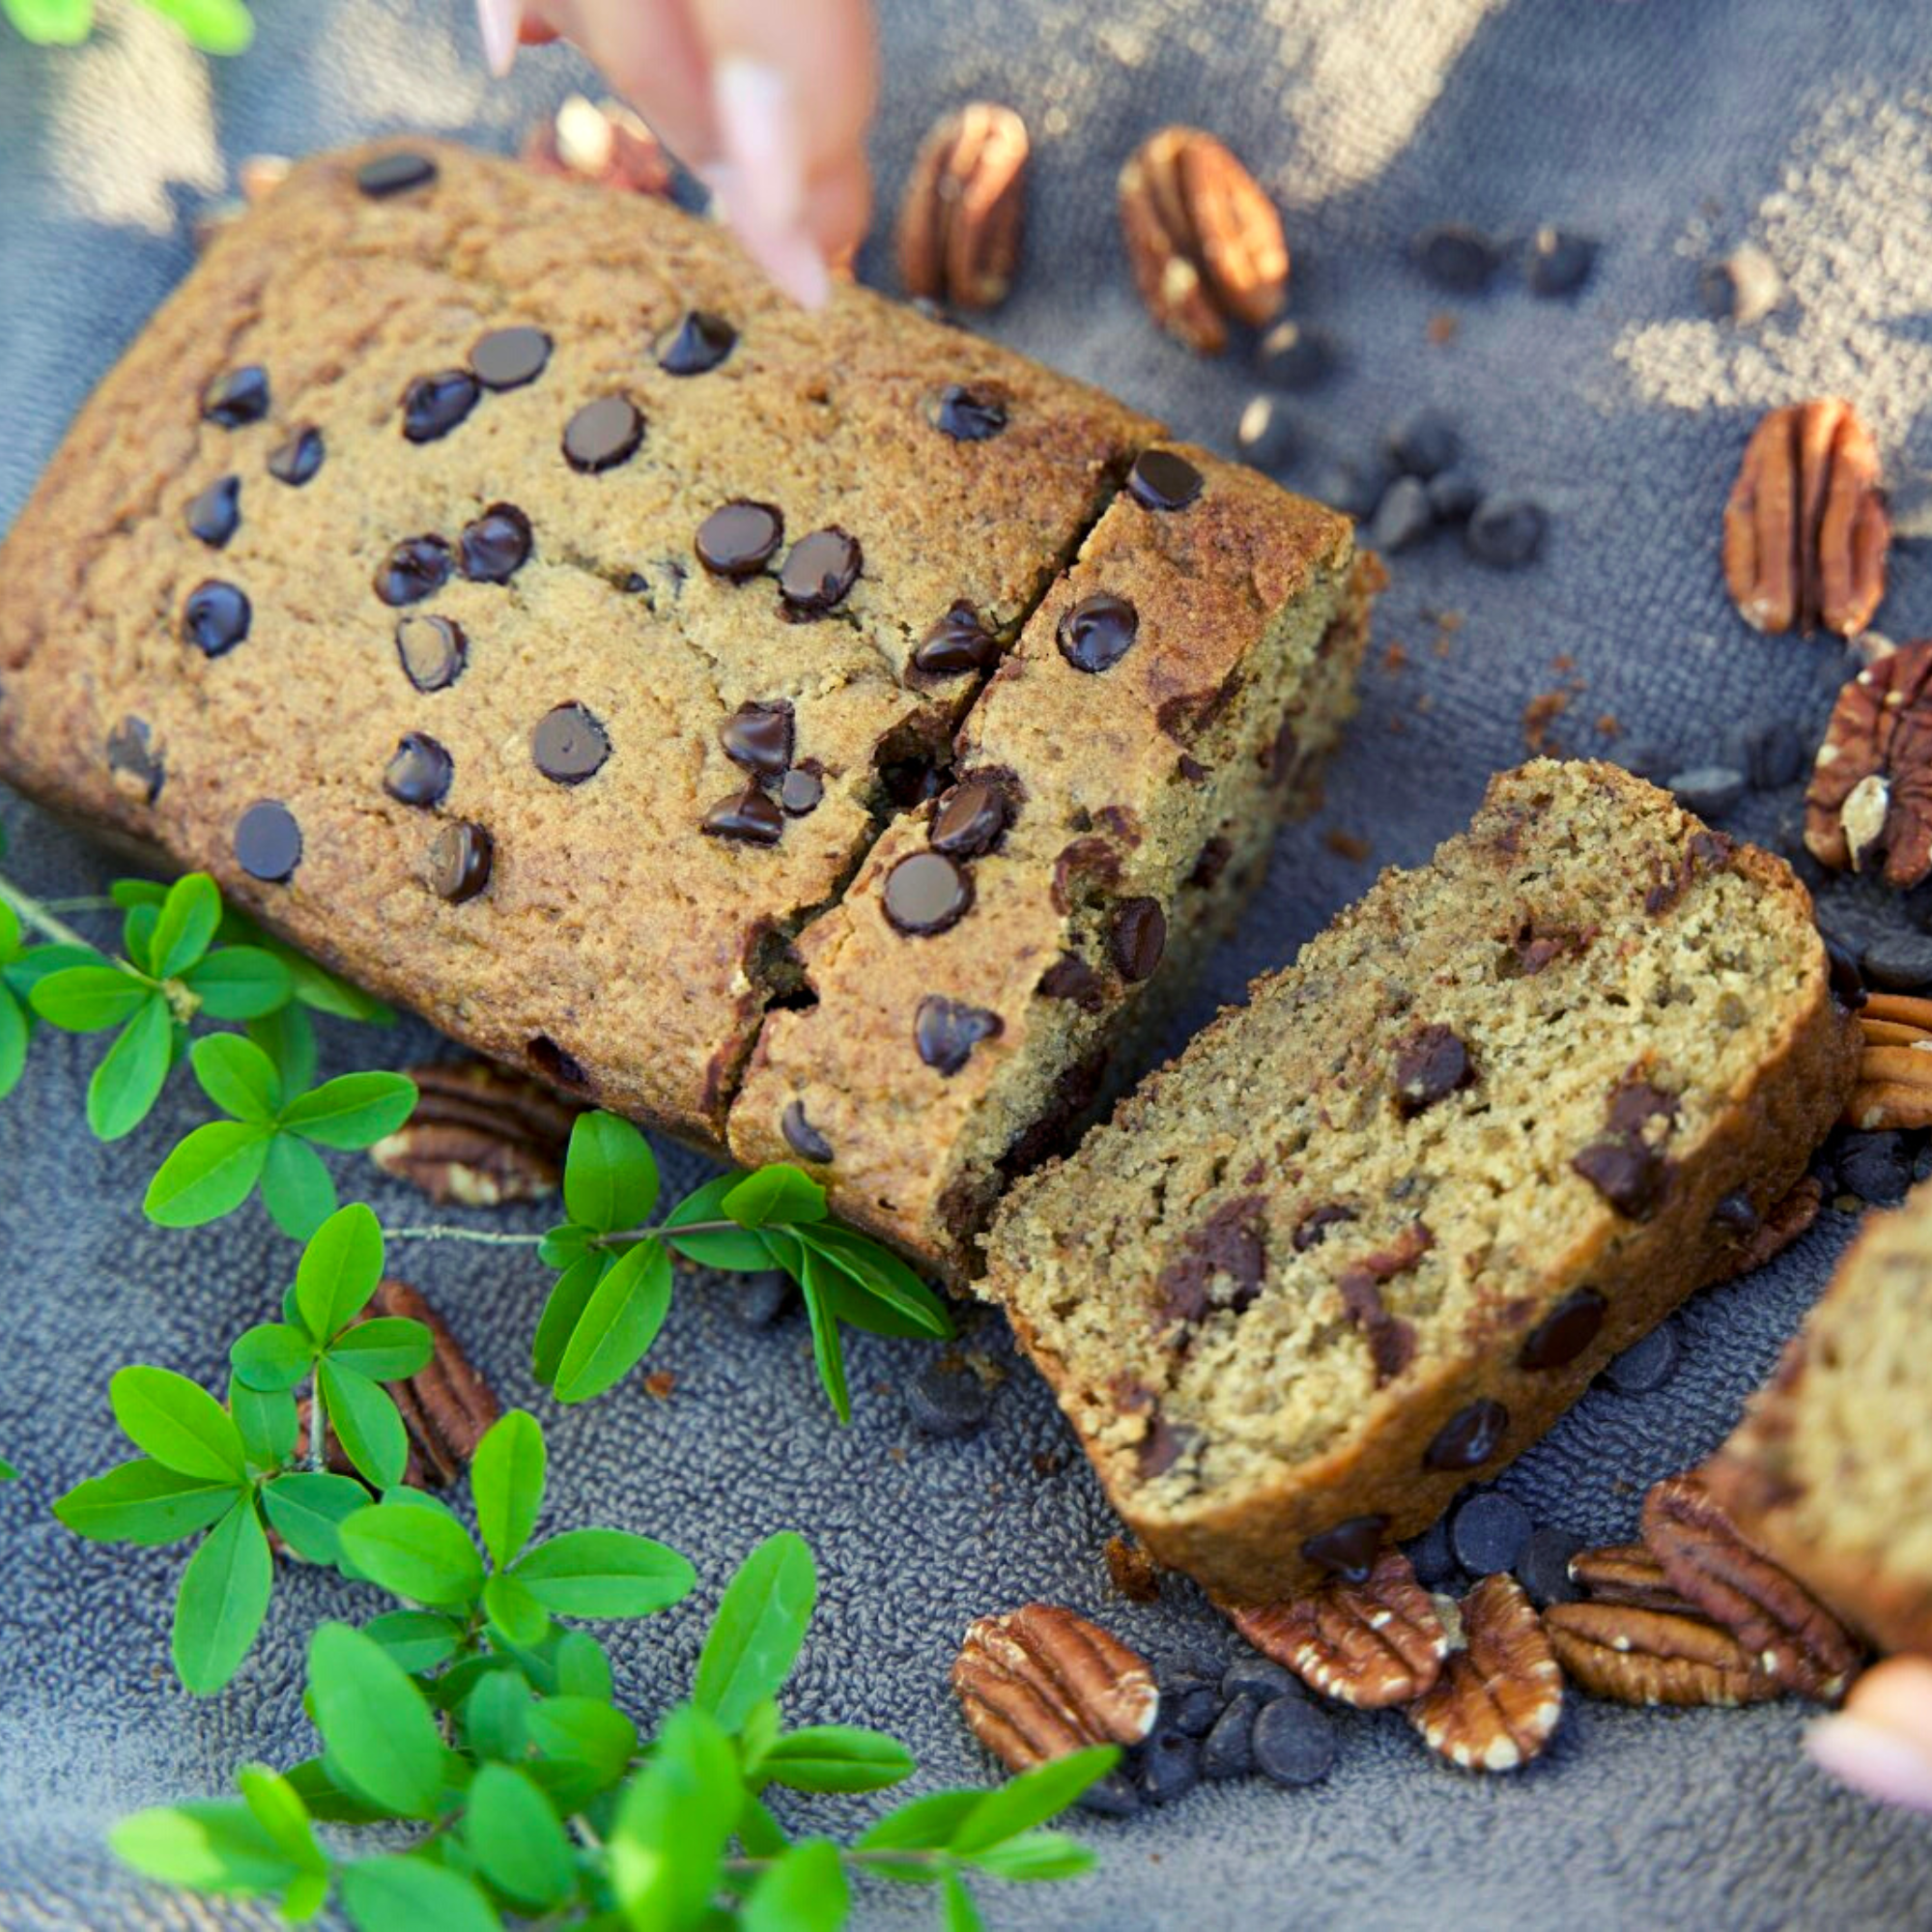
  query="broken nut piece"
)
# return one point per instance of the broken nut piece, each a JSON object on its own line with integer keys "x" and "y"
{"x": 1868, "y": 807}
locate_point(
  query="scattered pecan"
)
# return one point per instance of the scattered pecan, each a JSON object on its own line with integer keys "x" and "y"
{"x": 1204, "y": 241}
{"x": 599, "y": 141}
{"x": 1772, "y": 1234}
{"x": 1041, "y": 1681}
{"x": 480, "y": 1135}
{"x": 1500, "y": 1695}
{"x": 1135, "y": 1573}
{"x": 1869, "y": 803}
{"x": 1634, "y": 1656}
{"x": 1627, "y": 1574}
{"x": 960, "y": 223}
{"x": 1792, "y": 1638}
{"x": 1894, "y": 1083}
{"x": 1372, "y": 1644}
{"x": 1805, "y": 530}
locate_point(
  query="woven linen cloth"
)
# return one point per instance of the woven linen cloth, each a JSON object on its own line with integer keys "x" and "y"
{"x": 1670, "y": 130}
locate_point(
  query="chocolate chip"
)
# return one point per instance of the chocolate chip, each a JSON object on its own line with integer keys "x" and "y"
{"x": 433, "y": 651}
{"x": 496, "y": 545}
{"x": 1227, "y": 1749}
{"x": 1430, "y": 1066}
{"x": 1070, "y": 978}
{"x": 603, "y": 433}
{"x": 760, "y": 1299}
{"x": 968, "y": 412}
{"x": 1901, "y": 962}
{"x": 947, "y": 1030}
{"x": 420, "y": 771}
{"x": 434, "y": 405}
{"x": 1295, "y": 1741}
{"x": 1404, "y": 516}
{"x": 1505, "y": 532}
{"x": 460, "y": 861}
{"x": 799, "y": 791}
{"x": 216, "y": 617}
{"x": 1312, "y": 1230}
{"x": 1352, "y": 488}
{"x": 1160, "y": 1448}
{"x": 569, "y": 745}
{"x": 946, "y": 1403}
{"x": 1162, "y": 480}
{"x": 700, "y": 342}
{"x": 1735, "y": 1214}
{"x": 1875, "y": 1167}
{"x": 1348, "y": 1550}
{"x": 1423, "y": 444}
{"x": 1267, "y": 434}
{"x": 295, "y": 461}
{"x": 800, "y": 1136}
{"x": 1297, "y": 358}
{"x": 394, "y": 174}
{"x": 1488, "y": 1533}
{"x": 1542, "y": 1569}
{"x": 926, "y": 892}
{"x": 216, "y": 515}
{"x": 1211, "y": 862}
{"x": 818, "y": 571}
{"x": 506, "y": 358}
{"x": 1468, "y": 1438}
{"x": 1432, "y": 1557}
{"x": 268, "y": 841}
{"x": 1455, "y": 257}
{"x": 758, "y": 737}
{"x": 958, "y": 642}
{"x": 1775, "y": 754}
{"x": 1558, "y": 261}
{"x": 739, "y": 538}
{"x": 1137, "y": 938}
{"x": 236, "y": 397}
{"x": 1261, "y": 1678}
{"x": 1847, "y": 982}
{"x": 748, "y": 815}
{"x": 1647, "y": 1364}
{"x": 1453, "y": 495}
{"x": 1709, "y": 790}
{"x": 970, "y": 819}
{"x": 1565, "y": 1332}
{"x": 1169, "y": 1765}
{"x": 1115, "y": 1796}
{"x": 1231, "y": 1245}
{"x": 1633, "y": 1177}
{"x": 132, "y": 754}
{"x": 554, "y": 1063}
{"x": 415, "y": 569}
{"x": 1097, "y": 632}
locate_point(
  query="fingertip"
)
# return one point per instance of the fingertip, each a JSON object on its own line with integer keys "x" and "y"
{"x": 1880, "y": 1762}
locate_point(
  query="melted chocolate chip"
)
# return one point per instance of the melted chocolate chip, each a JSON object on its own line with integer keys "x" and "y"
{"x": 1468, "y": 1438}
{"x": 926, "y": 892}
{"x": 1631, "y": 1177}
{"x": 131, "y": 756}
{"x": 394, "y": 174}
{"x": 433, "y": 651}
{"x": 216, "y": 515}
{"x": 947, "y": 1030}
{"x": 739, "y": 538}
{"x": 800, "y": 790}
{"x": 420, "y": 771}
{"x": 1736, "y": 1214}
{"x": 1160, "y": 1448}
{"x": 268, "y": 841}
{"x": 1312, "y": 1230}
{"x": 1098, "y": 632}
{"x": 496, "y": 545}
{"x": 800, "y": 1136}
{"x": 700, "y": 342}
{"x": 507, "y": 359}
{"x": 1161, "y": 480}
{"x": 818, "y": 572}
{"x": 415, "y": 569}
{"x": 236, "y": 397}
{"x": 1231, "y": 1245}
{"x": 216, "y": 617}
{"x": 1137, "y": 938}
{"x": 554, "y": 1063}
{"x": 460, "y": 861}
{"x": 970, "y": 819}
{"x": 968, "y": 411}
{"x": 1565, "y": 1332}
{"x": 748, "y": 815}
{"x": 603, "y": 433}
{"x": 1213, "y": 862}
{"x": 958, "y": 642}
{"x": 758, "y": 737}
{"x": 295, "y": 461}
{"x": 1348, "y": 1550}
{"x": 1635, "y": 1103}
{"x": 569, "y": 745}
{"x": 1070, "y": 978}
{"x": 1430, "y": 1066}
{"x": 434, "y": 405}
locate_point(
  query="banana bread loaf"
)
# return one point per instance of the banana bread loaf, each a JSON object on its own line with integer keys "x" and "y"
{"x": 1371, "y": 1233}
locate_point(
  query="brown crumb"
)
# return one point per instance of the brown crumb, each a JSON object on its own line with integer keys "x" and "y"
{"x": 1608, "y": 724}
{"x": 1441, "y": 645}
{"x": 1345, "y": 845}
{"x": 897, "y": 1452}
{"x": 1133, "y": 1571}
{"x": 1396, "y": 657}
{"x": 1049, "y": 1462}
{"x": 1539, "y": 714}
{"x": 659, "y": 1384}
{"x": 1441, "y": 327}
{"x": 1562, "y": 662}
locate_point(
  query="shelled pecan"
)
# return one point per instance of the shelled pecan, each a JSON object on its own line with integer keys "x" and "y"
{"x": 1500, "y": 1695}
{"x": 1635, "y": 1655}
{"x": 1627, "y": 1574}
{"x": 1894, "y": 1083}
{"x": 599, "y": 141}
{"x": 959, "y": 223}
{"x": 1869, "y": 808}
{"x": 1772, "y": 1232}
{"x": 479, "y": 1135}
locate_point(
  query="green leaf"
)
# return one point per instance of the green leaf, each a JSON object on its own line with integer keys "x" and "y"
{"x": 10, "y": 931}
{"x": 1036, "y": 1856}
{"x": 222, "y": 1599}
{"x": 922, "y": 1823}
{"x": 213, "y": 26}
{"x": 308, "y": 1507}
{"x": 730, "y": 1250}
{"x": 604, "y": 1573}
{"x": 279, "y": 1810}
{"x": 411, "y": 1553}
{"x": 131, "y": 1075}
{"x": 209, "y": 1175}
{"x": 287, "y": 1036}
{"x": 339, "y": 1270}
{"x": 323, "y": 993}
{"x": 386, "y": 1349}
{"x": 213, "y": 1847}
{"x": 271, "y": 1355}
{"x": 756, "y": 1635}
{"x": 666, "y": 1846}
{"x": 142, "y": 1502}
{"x": 582, "y": 1731}
{"x": 836, "y": 1757}
{"x": 237, "y": 1076}
{"x": 514, "y": 1613}
{"x": 137, "y": 932}
{"x": 354, "y": 1110}
{"x": 610, "y": 1176}
{"x": 184, "y": 925}
{"x": 240, "y": 982}
{"x": 267, "y": 1422}
{"x": 804, "y": 1892}
{"x": 367, "y": 1423}
{"x": 961, "y": 1914}
{"x": 564, "y": 1311}
{"x": 417, "y": 1639}
{"x": 86, "y": 999}
{"x": 564, "y": 1245}
{"x": 619, "y": 1322}
{"x": 402, "y": 1893}
{"x": 1031, "y": 1798}
{"x": 582, "y": 1670}
{"x": 380, "y": 1736}
{"x": 506, "y": 1480}
{"x": 828, "y": 1351}
{"x": 297, "y": 1188}
{"x": 329, "y": 1801}
{"x": 518, "y": 1841}
{"x": 178, "y": 1423}
{"x": 758, "y": 1832}
{"x": 496, "y": 1711}
{"x": 25, "y": 971}
{"x": 882, "y": 1278}
{"x": 127, "y": 894}
{"x": 774, "y": 1196}
{"x": 14, "y": 1032}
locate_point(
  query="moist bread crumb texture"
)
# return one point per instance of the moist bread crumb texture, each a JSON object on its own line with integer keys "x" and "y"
{"x": 1829, "y": 1470}
{"x": 1371, "y": 1233}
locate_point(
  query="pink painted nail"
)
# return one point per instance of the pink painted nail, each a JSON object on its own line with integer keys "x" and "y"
{"x": 499, "y": 21}
{"x": 1872, "y": 1759}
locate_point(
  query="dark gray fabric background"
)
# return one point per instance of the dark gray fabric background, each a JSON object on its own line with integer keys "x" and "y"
{"x": 1665, "y": 127}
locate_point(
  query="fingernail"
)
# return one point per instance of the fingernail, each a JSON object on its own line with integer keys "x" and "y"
{"x": 1872, "y": 1759}
{"x": 758, "y": 122}
{"x": 789, "y": 255}
{"x": 499, "y": 20}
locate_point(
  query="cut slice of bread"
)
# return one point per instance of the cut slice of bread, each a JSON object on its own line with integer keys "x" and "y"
{"x": 1373, "y": 1233}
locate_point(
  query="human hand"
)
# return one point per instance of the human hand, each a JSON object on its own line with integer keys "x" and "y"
{"x": 1881, "y": 1743}
{"x": 765, "y": 100}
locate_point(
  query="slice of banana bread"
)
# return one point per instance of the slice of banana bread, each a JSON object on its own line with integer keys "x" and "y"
{"x": 1829, "y": 1470}
{"x": 1371, "y": 1233}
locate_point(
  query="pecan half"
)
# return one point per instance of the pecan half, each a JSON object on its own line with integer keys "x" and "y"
{"x": 1758, "y": 1241}
{"x": 1499, "y": 1697}
{"x": 599, "y": 141}
{"x": 1204, "y": 241}
{"x": 1894, "y": 1083}
{"x": 1627, "y": 1574}
{"x": 480, "y": 1135}
{"x": 1041, "y": 1681}
{"x": 1792, "y": 1638}
{"x": 1633, "y": 1656}
{"x": 960, "y": 223}
{"x": 1869, "y": 808}
{"x": 1805, "y": 530}
{"x": 1372, "y": 1644}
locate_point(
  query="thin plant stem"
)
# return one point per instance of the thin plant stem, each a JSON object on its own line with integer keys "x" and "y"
{"x": 39, "y": 915}
{"x": 443, "y": 1231}
{"x": 317, "y": 1423}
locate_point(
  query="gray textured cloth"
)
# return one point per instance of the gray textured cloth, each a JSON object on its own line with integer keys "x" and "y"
{"x": 1667, "y": 128}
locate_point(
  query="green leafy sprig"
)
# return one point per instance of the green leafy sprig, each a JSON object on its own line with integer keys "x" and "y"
{"x": 213, "y": 26}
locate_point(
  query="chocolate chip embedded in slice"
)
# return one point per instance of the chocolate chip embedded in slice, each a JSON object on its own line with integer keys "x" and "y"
{"x": 131, "y": 758}
{"x": 496, "y": 545}
{"x": 1070, "y": 978}
{"x": 433, "y": 651}
{"x": 460, "y": 861}
{"x": 237, "y": 396}
{"x": 759, "y": 737}
{"x": 394, "y": 174}
{"x": 1230, "y": 1245}
{"x": 268, "y": 841}
{"x": 555, "y": 1064}
{"x": 1348, "y": 1550}
{"x": 1161, "y": 480}
{"x": 507, "y": 359}
{"x": 958, "y": 642}
{"x": 1430, "y": 1066}
{"x": 216, "y": 515}
{"x": 1565, "y": 1332}
{"x": 1468, "y": 1438}
{"x": 748, "y": 815}
{"x": 800, "y": 1136}
{"x": 700, "y": 342}
{"x": 739, "y": 538}
{"x": 569, "y": 745}
{"x": 434, "y": 405}
{"x": 416, "y": 568}
{"x": 603, "y": 433}
{"x": 926, "y": 892}
{"x": 1631, "y": 1176}
{"x": 1312, "y": 1230}
{"x": 420, "y": 771}
{"x": 947, "y": 1030}
{"x": 295, "y": 461}
{"x": 1137, "y": 938}
{"x": 968, "y": 411}
{"x": 800, "y": 790}
{"x": 1097, "y": 632}
{"x": 216, "y": 617}
{"x": 818, "y": 572}
{"x": 970, "y": 819}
